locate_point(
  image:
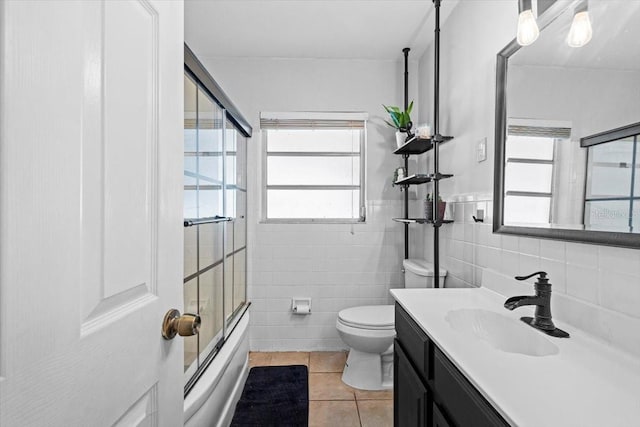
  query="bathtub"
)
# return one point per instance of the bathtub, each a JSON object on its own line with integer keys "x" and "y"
{"x": 213, "y": 398}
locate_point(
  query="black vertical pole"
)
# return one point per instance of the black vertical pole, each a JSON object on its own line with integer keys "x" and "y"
{"x": 406, "y": 156}
{"x": 436, "y": 145}
{"x": 406, "y": 77}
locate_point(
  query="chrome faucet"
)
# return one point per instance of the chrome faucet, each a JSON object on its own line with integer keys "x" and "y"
{"x": 542, "y": 301}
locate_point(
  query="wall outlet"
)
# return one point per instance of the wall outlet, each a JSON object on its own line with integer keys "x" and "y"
{"x": 481, "y": 150}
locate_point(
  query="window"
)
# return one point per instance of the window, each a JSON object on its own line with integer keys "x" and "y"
{"x": 529, "y": 157}
{"x": 314, "y": 167}
{"x": 613, "y": 180}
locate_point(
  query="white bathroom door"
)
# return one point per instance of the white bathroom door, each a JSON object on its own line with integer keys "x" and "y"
{"x": 90, "y": 212}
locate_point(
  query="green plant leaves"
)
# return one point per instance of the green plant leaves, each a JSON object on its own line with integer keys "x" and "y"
{"x": 401, "y": 119}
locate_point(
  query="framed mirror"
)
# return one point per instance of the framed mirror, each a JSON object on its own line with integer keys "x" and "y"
{"x": 567, "y": 159}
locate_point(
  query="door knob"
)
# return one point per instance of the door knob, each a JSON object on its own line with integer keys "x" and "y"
{"x": 184, "y": 325}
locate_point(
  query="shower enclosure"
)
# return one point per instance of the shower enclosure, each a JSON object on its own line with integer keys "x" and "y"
{"x": 215, "y": 199}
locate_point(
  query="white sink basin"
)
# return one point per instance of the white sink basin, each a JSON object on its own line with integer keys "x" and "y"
{"x": 501, "y": 332}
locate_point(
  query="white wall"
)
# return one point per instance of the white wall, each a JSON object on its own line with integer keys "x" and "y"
{"x": 337, "y": 265}
{"x": 604, "y": 279}
{"x": 581, "y": 96}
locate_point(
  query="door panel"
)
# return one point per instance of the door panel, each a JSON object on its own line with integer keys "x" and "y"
{"x": 210, "y": 310}
{"x": 91, "y": 195}
{"x": 239, "y": 278}
{"x": 128, "y": 144}
{"x": 191, "y": 343}
{"x": 209, "y": 243}
{"x": 228, "y": 287}
{"x": 240, "y": 224}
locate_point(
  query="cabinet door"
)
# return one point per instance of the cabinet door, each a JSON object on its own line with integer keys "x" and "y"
{"x": 438, "y": 419}
{"x": 459, "y": 399}
{"x": 414, "y": 341}
{"x": 410, "y": 394}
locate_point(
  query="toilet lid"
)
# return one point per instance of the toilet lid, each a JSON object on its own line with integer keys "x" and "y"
{"x": 368, "y": 317}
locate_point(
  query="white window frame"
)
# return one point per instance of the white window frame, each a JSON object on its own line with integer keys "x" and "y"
{"x": 306, "y": 120}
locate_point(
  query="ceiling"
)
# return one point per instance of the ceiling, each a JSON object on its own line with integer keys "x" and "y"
{"x": 360, "y": 29}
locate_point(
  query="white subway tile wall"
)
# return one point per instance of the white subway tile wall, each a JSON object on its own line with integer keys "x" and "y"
{"x": 597, "y": 286}
{"x": 337, "y": 265}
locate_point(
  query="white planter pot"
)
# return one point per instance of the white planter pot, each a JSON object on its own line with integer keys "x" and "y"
{"x": 401, "y": 138}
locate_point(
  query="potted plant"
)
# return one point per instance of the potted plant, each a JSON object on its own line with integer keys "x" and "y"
{"x": 428, "y": 208}
{"x": 401, "y": 121}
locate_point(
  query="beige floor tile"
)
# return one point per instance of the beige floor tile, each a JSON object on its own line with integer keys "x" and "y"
{"x": 333, "y": 414}
{"x": 329, "y": 386}
{"x": 289, "y": 358}
{"x": 327, "y": 361}
{"x": 373, "y": 395}
{"x": 376, "y": 413}
{"x": 259, "y": 359}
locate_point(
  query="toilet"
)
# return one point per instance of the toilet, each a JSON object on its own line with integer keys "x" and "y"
{"x": 369, "y": 332}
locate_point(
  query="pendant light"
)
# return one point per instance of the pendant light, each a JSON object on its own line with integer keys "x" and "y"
{"x": 580, "y": 32}
{"x": 528, "y": 30}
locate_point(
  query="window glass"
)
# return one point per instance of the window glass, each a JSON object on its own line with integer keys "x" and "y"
{"x": 313, "y": 203}
{"x": 607, "y": 215}
{"x": 609, "y": 169}
{"x": 528, "y": 181}
{"x": 532, "y": 177}
{"x": 314, "y": 140}
{"x": 613, "y": 178}
{"x": 290, "y": 170}
{"x": 526, "y": 210}
{"x": 314, "y": 173}
{"x": 529, "y": 147}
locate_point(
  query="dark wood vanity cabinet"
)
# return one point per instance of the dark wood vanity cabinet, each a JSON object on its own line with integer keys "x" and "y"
{"x": 438, "y": 419}
{"x": 410, "y": 401}
{"x": 428, "y": 389}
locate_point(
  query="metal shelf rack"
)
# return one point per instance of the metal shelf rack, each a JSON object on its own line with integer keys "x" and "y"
{"x": 417, "y": 145}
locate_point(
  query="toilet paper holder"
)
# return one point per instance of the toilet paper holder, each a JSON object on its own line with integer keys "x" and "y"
{"x": 301, "y": 305}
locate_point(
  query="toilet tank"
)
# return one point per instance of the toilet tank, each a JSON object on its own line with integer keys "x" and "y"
{"x": 418, "y": 273}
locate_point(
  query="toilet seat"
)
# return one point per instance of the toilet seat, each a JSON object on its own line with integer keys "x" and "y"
{"x": 372, "y": 317}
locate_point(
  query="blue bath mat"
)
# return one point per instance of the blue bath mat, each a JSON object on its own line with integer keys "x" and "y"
{"x": 274, "y": 396}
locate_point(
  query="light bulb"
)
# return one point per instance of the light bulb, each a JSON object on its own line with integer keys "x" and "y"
{"x": 580, "y": 32}
{"x": 528, "y": 30}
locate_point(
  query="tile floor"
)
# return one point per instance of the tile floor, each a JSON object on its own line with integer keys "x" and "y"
{"x": 331, "y": 402}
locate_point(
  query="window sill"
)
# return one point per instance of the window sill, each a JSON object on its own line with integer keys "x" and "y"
{"x": 311, "y": 221}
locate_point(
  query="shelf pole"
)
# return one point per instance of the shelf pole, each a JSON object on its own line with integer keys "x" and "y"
{"x": 436, "y": 146}
{"x": 405, "y": 51}
{"x": 406, "y": 77}
{"x": 406, "y": 209}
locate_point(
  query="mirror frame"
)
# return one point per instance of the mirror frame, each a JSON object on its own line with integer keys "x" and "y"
{"x": 628, "y": 240}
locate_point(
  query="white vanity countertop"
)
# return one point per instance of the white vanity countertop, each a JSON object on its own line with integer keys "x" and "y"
{"x": 587, "y": 383}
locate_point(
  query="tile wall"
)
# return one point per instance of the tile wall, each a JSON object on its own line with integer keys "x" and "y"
{"x": 337, "y": 265}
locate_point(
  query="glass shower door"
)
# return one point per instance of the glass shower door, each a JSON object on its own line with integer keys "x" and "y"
{"x": 215, "y": 224}
{"x": 203, "y": 237}
{"x": 235, "y": 248}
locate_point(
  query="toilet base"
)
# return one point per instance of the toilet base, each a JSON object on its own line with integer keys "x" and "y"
{"x": 369, "y": 371}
